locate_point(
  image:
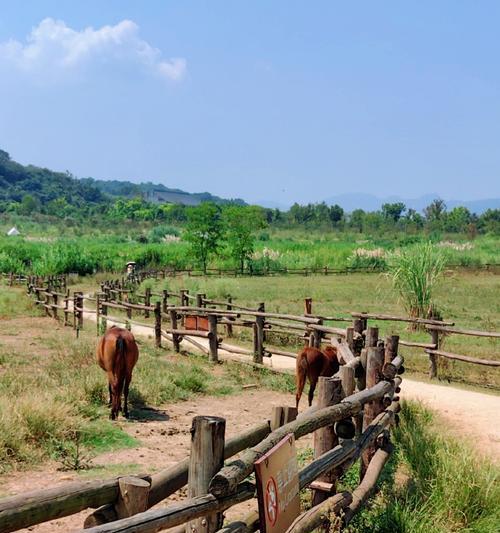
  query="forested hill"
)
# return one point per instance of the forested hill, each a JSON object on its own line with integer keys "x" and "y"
{"x": 156, "y": 192}
{"x": 40, "y": 186}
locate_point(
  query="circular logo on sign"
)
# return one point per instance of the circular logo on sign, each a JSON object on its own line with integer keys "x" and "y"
{"x": 272, "y": 501}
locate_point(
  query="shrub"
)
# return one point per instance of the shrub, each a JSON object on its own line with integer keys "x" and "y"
{"x": 415, "y": 273}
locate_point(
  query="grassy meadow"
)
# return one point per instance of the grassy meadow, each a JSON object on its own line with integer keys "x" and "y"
{"x": 53, "y": 395}
{"x": 98, "y": 251}
{"x": 470, "y": 299}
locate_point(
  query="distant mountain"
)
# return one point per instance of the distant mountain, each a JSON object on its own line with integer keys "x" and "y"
{"x": 369, "y": 202}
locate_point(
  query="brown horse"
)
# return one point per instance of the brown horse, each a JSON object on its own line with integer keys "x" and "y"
{"x": 117, "y": 354}
{"x": 313, "y": 363}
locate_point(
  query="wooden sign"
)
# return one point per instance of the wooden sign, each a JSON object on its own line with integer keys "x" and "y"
{"x": 277, "y": 476}
{"x": 196, "y": 322}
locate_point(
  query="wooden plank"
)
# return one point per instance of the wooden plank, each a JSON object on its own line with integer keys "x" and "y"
{"x": 35, "y": 507}
{"x": 375, "y": 316}
{"x": 464, "y": 358}
{"x": 471, "y": 332}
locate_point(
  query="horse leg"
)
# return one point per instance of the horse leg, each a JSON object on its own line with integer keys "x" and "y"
{"x": 110, "y": 396}
{"x": 301, "y": 381}
{"x": 125, "y": 396}
{"x": 313, "y": 380}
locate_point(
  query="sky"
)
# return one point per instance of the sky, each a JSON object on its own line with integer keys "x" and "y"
{"x": 279, "y": 101}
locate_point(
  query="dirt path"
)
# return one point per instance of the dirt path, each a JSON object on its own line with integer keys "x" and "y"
{"x": 469, "y": 414}
{"x": 164, "y": 441}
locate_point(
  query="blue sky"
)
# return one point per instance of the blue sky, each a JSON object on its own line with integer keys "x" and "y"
{"x": 284, "y": 101}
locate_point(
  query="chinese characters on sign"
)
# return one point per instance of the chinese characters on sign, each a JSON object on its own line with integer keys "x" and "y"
{"x": 278, "y": 486}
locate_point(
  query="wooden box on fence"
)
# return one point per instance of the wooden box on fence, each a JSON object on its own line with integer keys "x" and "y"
{"x": 277, "y": 477}
{"x": 196, "y": 322}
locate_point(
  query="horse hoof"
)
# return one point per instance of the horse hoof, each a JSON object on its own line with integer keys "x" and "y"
{"x": 112, "y": 416}
{"x": 126, "y": 415}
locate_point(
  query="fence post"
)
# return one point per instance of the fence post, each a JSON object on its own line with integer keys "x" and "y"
{"x": 80, "y": 312}
{"x": 66, "y": 303}
{"x": 147, "y": 301}
{"x": 206, "y": 459}
{"x": 213, "y": 341}
{"x": 184, "y": 302}
{"x": 432, "y": 357}
{"x": 98, "y": 313}
{"x": 55, "y": 299}
{"x": 173, "y": 325}
{"x": 158, "y": 324}
{"x": 258, "y": 337}
{"x": 329, "y": 393}
{"x": 165, "y": 300}
{"x": 132, "y": 496}
{"x": 199, "y": 299}
{"x": 229, "y": 327}
{"x": 104, "y": 311}
{"x": 281, "y": 415}
{"x": 374, "y": 364}
{"x": 391, "y": 348}
{"x": 308, "y": 306}
{"x": 47, "y": 303}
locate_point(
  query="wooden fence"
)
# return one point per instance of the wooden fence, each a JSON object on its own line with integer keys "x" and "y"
{"x": 123, "y": 504}
{"x": 351, "y": 420}
{"x": 170, "y": 316}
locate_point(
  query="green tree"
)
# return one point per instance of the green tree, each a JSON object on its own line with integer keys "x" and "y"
{"x": 28, "y": 205}
{"x": 458, "y": 219}
{"x": 240, "y": 224}
{"x": 204, "y": 231}
{"x": 336, "y": 215}
{"x": 357, "y": 219}
{"x": 393, "y": 211}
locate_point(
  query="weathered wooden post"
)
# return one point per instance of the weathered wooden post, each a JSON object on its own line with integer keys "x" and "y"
{"x": 206, "y": 459}
{"x": 175, "y": 336}
{"x": 158, "y": 324}
{"x": 104, "y": 311}
{"x": 165, "y": 300}
{"x": 229, "y": 326}
{"x": 281, "y": 415}
{"x": 307, "y": 306}
{"x": 374, "y": 365}
{"x": 98, "y": 313}
{"x": 258, "y": 336}
{"x": 432, "y": 357}
{"x": 47, "y": 303}
{"x": 66, "y": 307}
{"x": 199, "y": 299}
{"x": 329, "y": 393}
{"x": 147, "y": 301}
{"x": 132, "y": 497}
{"x": 55, "y": 299}
{"x": 80, "y": 311}
{"x": 391, "y": 348}
{"x": 350, "y": 338}
{"x": 213, "y": 341}
{"x": 184, "y": 302}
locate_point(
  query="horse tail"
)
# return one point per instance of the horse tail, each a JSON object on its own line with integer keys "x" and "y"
{"x": 301, "y": 375}
{"x": 119, "y": 359}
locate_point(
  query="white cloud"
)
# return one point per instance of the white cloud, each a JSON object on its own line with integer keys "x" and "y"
{"x": 53, "y": 49}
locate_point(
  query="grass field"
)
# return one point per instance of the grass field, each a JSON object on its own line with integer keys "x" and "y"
{"x": 420, "y": 489}
{"x": 53, "y": 395}
{"x": 470, "y": 299}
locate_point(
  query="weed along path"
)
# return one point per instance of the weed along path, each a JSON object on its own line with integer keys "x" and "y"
{"x": 468, "y": 414}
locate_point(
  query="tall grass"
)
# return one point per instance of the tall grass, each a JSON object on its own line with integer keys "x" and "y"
{"x": 415, "y": 273}
{"x": 441, "y": 486}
